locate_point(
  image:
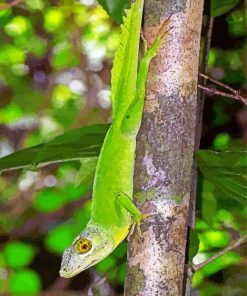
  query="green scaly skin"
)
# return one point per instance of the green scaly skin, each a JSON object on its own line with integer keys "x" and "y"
{"x": 113, "y": 211}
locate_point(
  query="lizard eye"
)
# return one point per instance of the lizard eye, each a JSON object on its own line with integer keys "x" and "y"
{"x": 82, "y": 245}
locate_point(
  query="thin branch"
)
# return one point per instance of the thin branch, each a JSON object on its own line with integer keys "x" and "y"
{"x": 207, "y": 42}
{"x": 198, "y": 131}
{"x": 235, "y": 96}
{"x": 11, "y": 4}
{"x": 219, "y": 83}
{"x": 239, "y": 242}
{"x": 199, "y": 115}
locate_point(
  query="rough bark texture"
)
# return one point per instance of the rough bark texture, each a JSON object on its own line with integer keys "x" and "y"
{"x": 165, "y": 153}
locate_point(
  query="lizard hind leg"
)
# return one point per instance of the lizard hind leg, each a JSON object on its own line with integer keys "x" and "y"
{"x": 162, "y": 33}
{"x": 159, "y": 39}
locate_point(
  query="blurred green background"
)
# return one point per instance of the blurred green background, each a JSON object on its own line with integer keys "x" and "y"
{"x": 55, "y": 63}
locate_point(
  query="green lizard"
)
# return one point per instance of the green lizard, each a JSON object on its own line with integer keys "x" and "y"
{"x": 113, "y": 211}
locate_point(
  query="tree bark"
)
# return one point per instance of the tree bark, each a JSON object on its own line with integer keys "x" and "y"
{"x": 156, "y": 260}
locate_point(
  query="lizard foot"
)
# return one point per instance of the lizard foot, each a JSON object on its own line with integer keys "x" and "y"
{"x": 163, "y": 32}
{"x": 145, "y": 44}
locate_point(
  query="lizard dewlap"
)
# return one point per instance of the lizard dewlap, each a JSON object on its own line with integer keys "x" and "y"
{"x": 113, "y": 210}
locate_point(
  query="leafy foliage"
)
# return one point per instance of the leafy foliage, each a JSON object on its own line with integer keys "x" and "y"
{"x": 55, "y": 62}
{"x": 227, "y": 170}
{"x": 72, "y": 145}
{"x": 219, "y": 7}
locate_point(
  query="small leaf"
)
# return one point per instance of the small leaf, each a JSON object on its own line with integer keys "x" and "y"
{"x": 209, "y": 205}
{"x": 115, "y": 8}
{"x": 24, "y": 282}
{"x": 53, "y": 19}
{"x": 34, "y": 4}
{"x": 193, "y": 244}
{"x": 121, "y": 273}
{"x": 213, "y": 239}
{"x": 72, "y": 145}
{"x": 59, "y": 238}
{"x": 48, "y": 200}
{"x": 121, "y": 250}
{"x": 18, "y": 254}
{"x": 222, "y": 262}
{"x": 72, "y": 193}
{"x": 106, "y": 264}
{"x": 219, "y": 7}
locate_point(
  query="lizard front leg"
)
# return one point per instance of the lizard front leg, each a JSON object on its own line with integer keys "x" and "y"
{"x": 125, "y": 201}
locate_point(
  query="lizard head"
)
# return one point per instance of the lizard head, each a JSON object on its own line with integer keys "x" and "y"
{"x": 91, "y": 246}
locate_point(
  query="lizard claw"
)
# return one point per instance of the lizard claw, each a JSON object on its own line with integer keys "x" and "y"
{"x": 145, "y": 44}
{"x": 162, "y": 33}
{"x": 136, "y": 225}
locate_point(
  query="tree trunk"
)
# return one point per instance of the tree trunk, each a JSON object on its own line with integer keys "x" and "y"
{"x": 156, "y": 260}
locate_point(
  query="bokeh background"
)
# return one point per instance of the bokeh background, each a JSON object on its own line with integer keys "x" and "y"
{"x": 55, "y": 63}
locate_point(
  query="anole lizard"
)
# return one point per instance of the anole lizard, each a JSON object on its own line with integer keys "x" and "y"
{"x": 113, "y": 210}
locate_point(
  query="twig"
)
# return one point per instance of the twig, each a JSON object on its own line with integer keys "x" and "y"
{"x": 219, "y": 83}
{"x": 239, "y": 242}
{"x": 11, "y": 4}
{"x": 237, "y": 97}
{"x": 216, "y": 92}
{"x": 235, "y": 93}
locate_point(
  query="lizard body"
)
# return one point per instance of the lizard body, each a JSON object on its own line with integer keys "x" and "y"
{"x": 113, "y": 211}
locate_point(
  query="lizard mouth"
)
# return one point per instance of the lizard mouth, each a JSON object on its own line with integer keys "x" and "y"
{"x": 65, "y": 274}
{"x": 68, "y": 274}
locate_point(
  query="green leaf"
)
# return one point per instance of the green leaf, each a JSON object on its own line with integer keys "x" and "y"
{"x": 221, "y": 141}
{"x": 87, "y": 169}
{"x": 72, "y": 145}
{"x": 17, "y": 26}
{"x": 35, "y": 4}
{"x": 106, "y": 264}
{"x": 24, "y": 282}
{"x": 10, "y": 55}
{"x": 59, "y": 238}
{"x": 18, "y": 254}
{"x": 219, "y": 7}
{"x": 48, "y": 200}
{"x": 222, "y": 262}
{"x": 193, "y": 244}
{"x": 121, "y": 250}
{"x": 53, "y": 19}
{"x": 213, "y": 239}
{"x": 72, "y": 193}
{"x": 121, "y": 273}
{"x": 115, "y": 8}
{"x": 227, "y": 170}
{"x": 209, "y": 205}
